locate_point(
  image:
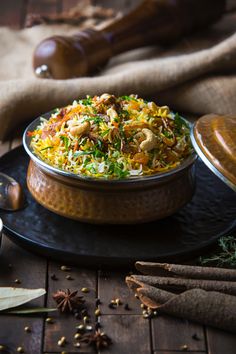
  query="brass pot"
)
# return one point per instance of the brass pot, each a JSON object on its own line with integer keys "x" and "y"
{"x": 131, "y": 200}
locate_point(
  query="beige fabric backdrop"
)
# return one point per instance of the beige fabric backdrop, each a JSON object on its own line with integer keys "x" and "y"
{"x": 197, "y": 76}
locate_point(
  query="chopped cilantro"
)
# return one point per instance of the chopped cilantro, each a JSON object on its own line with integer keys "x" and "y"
{"x": 117, "y": 144}
{"x": 129, "y": 98}
{"x": 91, "y": 167}
{"x": 86, "y": 101}
{"x": 66, "y": 141}
{"x": 96, "y": 119}
{"x": 48, "y": 147}
{"x": 98, "y": 153}
{"x": 117, "y": 169}
{"x": 167, "y": 134}
{"x": 105, "y": 132}
{"x": 81, "y": 153}
{"x": 179, "y": 123}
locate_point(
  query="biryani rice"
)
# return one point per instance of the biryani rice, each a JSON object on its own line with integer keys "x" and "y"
{"x": 112, "y": 137}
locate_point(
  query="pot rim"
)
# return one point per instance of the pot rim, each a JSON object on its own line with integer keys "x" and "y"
{"x": 91, "y": 180}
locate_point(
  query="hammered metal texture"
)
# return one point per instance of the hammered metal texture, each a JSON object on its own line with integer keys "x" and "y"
{"x": 210, "y": 214}
{"x": 116, "y": 206}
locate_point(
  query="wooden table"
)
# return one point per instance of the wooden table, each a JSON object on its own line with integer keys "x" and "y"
{"x": 130, "y": 332}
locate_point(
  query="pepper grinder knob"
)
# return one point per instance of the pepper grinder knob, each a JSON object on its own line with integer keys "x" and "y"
{"x": 62, "y": 57}
{"x": 152, "y": 22}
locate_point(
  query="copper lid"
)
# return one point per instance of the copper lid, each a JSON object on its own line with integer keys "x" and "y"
{"x": 214, "y": 139}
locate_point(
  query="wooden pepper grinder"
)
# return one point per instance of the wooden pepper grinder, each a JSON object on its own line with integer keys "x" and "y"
{"x": 152, "y": 22}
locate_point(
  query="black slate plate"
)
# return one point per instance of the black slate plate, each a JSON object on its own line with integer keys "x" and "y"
{"x": 211, "y": 213}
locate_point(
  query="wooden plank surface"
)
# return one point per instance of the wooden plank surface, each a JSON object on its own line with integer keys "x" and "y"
{"x": 130, "y": 332}
{"x": 220, "y": 342}
{"x": 118, "y": 290}
{"x": 30, "y": 271}
{"x": 12, "y": 13}
{"x": 187, "y": 336}
{"x": 65, "y": 325}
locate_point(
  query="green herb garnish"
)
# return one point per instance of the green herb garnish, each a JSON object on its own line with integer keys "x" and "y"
{"x": 48, "y": 147}
{"x": 129, "y": 98}
{"x": 86, "y": 101}
{"x": 96, "y": 119}
{"x": 66, "y": 141}
{"x": 81, "y": 153}
{"x": 179, "y": 123}
{"x": 117, "y": 169}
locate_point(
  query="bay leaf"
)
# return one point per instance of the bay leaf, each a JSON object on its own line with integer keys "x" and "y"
{"x": 12, "y": 297}
{"x": 26, "y": 311}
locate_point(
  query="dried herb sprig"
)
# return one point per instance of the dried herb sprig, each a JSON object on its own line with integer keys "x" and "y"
{"x": 68, "y": 301}
{"x": 226, "y": 256}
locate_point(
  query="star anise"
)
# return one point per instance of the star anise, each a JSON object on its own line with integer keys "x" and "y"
{"x": 98, "y": 339}
{"x": 67, "y": 301}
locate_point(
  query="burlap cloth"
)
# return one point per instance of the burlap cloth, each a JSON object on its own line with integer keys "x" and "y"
{"x": 197, "y": 75}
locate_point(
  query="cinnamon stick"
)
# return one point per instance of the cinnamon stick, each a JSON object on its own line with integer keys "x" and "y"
{"x": 187, "y": 271}
{"x": 180, "y": 284}
{"x": 206, "y": 307}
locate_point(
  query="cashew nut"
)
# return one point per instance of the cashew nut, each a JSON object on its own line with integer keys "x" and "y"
{"x": 111, "y": 112}
{"x": 105, "y": 96}
{"x": 80, "y": 129}
{"x": 150, "y": 142}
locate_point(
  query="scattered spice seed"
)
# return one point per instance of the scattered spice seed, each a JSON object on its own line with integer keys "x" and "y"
{"x": 80, "y": 328}
{"x": 61, "y": 342}
{"x": 17, "y": 281}
{"x": 77, "y": 345}
{"x": 126, "y": 307}
{"x": 146, "y": 314}
{"x": 20, "y": 350}
{"x": 85, "y": 319}
{"x": 112, "y": 306}
{"x": 77, "y": 336}
{"x": 143, "y": 306}
{"x": 97, "y": 326}
{"x": 89, "y": 328}
{"x": 63, "y": 352}
{"x": 65, "y": 268}
{"x": 54, "y": 277}
{"x": 195, "y": 336}
{"x": 77, "y": 315}
{"x": 85, "y": 290}
{"x": 98, "y": 302}
{"x": 27, "y": 329}
{"x": 136, "y": 296}
{"x": 184, "y": 347}
{"x": 69, "y": 277}
{"x": 2, "y": 348}
{"x": 118, "y": 302}
{"x": 97, "y": 312}
{"x": 49, "y": 320}
{"x": 67, "y": 301}
{"x": 84, "y": 312}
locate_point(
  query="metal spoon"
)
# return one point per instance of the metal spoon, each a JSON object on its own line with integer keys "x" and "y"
{"x": 11, "y": 194}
